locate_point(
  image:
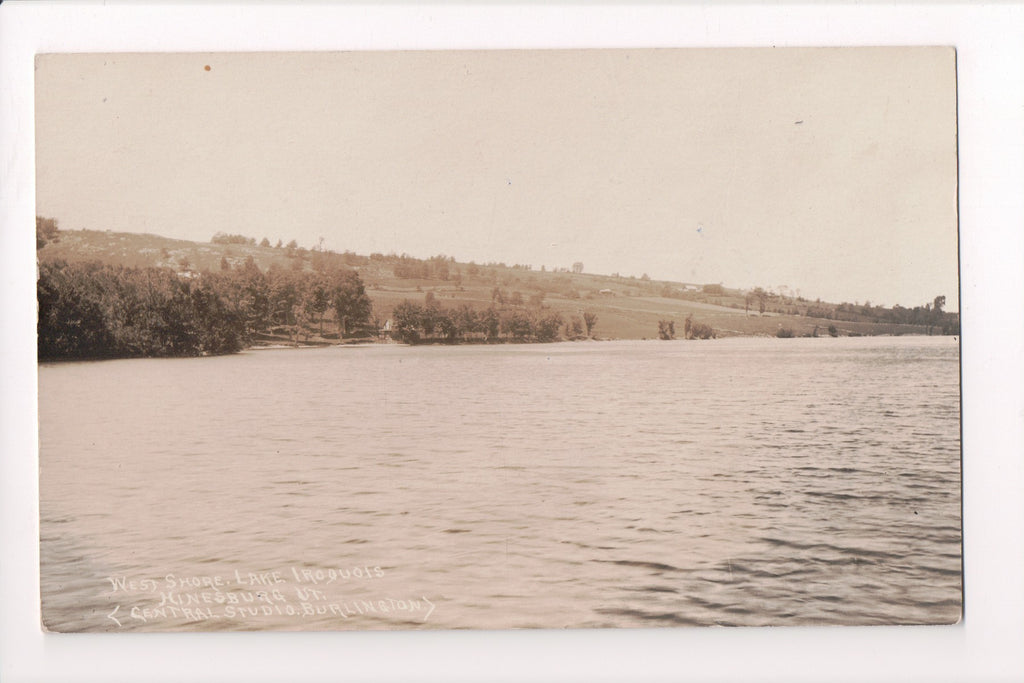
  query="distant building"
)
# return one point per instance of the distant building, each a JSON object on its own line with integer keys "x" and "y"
{"x": 606, "y": 292}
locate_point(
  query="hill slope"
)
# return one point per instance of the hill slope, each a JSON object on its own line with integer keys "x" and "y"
{"x": 626, "y": 308}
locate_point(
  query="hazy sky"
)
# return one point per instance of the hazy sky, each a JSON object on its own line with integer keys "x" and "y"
{"x": 829, "y": 171}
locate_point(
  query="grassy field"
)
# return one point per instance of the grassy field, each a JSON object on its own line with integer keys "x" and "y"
{"x": 626, "y": 308}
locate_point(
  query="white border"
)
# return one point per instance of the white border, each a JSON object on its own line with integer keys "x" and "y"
{"x": 986, "y": 646}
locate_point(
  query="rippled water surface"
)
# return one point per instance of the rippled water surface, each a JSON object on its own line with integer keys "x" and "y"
{"x": 738, "y": 481}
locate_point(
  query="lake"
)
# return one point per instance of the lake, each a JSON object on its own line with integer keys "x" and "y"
{"x": 593, "y": 484}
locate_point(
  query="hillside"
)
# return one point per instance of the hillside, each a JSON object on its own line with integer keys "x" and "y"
{"x": 626, "y": 308}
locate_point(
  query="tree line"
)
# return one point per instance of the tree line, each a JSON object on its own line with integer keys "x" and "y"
{"x": 92, "y": 310}
{"x": 930, "y": 315}
{"x": 427, "y": 323}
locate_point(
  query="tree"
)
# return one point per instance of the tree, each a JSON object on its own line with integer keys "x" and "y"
{"x": 490, "y": 323}
{"x": 351, "y": 304}
{"x": 590, "y": 320}
{"x": 406, "y": 322}
{"x": 517, "y": 325}
{"x": 938, "y": 304}
{"x": 445, "y": 324}
{"x": 317, "y": 299}
{"x": 264, "y": 242}
{"x": 762, "y": 299}
{"x": 302, "y": 317}
{"x": 438, "y": 267}
{"x": 284, "y": 291}
{"x": 666, "y": 329}
{"x": 72, "y": 323}
{"x": 46, "y": 231}
{"x": 546, "y": 329}
{"x": 247, "y": 292}
{"x": 428, "y": 320}
{"x": 467, "y": 321}
{"x": 577, "y": 267}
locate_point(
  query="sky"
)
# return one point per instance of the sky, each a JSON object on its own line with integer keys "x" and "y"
{"x": 830, "y": 172}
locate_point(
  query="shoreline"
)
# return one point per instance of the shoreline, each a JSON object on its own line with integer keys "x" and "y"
{"x": 364, "y": 343}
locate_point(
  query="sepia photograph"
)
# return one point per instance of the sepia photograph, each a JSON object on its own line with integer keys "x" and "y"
{"x": 518, "y": 342}
{"x": 498, "y": 339}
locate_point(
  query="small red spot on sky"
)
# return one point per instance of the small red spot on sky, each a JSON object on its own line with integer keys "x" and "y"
{"x": 207, "y": 67}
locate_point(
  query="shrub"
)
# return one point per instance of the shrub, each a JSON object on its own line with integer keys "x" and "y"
{"x": 701, "y": 331}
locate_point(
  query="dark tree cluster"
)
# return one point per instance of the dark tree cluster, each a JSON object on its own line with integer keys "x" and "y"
{"x": 46, "y": 231}
{"x": 296, "y": 302}
{"x": 691, "y": 329}
{"x": 90, "y": 310}
{"x": 931, "y": 315}
{"x": 430, "y": 323}
{"x": 224, "y": 238}
{"x": 434, "y": 268}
